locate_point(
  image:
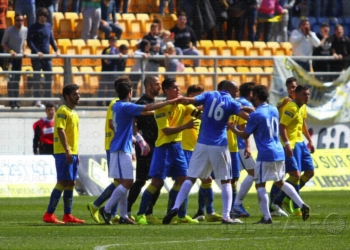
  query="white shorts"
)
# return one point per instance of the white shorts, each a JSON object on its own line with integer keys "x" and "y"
{"x": 269, "y": 171}
{"x": 120, "y": 166}
{"x": 208, "y": 158}
{"x": 246, "y": 164}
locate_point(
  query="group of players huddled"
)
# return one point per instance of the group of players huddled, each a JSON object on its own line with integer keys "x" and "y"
{"x": 204, "y": 135}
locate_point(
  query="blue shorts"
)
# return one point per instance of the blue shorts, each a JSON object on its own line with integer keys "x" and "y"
{"x": 235, "y": 164}
{"x": 188, "y": 155}
{"x": 303, "y": 157}
{"x": 66, "y": 172}
{"x": 168, "y": 160}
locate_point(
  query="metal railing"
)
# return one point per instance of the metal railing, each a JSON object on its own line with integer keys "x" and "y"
{"x": 68, "y": 73}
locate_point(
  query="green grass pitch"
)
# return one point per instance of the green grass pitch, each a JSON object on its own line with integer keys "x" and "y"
{"x": 21, "y": 227}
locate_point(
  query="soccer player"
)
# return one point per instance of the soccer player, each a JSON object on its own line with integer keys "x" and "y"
{"x": 246, "y": 161}
{"x": 211, "y": 152}
{"x": 43, "y": 132}
{"x": 106, "y": 194}
{"x": 147, "y": 127}
{"x": 263, "y": 124}
{"x": 66, "y": 142}
{"x": 298, "y": 159}
{"x": 121, "y": 169}
{"x": 189, "y": 141}
{"x": 168, "y": 156}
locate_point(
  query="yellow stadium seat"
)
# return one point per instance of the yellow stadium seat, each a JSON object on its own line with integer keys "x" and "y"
{"x": 280, "y": 52}
{"x": 125, "y": 25}
{"x": 88, "y": 50}
{"x": 246, "y": 44}
{"x": 136, "y": 29}
{"x": 273, "y": 46}
{"x": 259, "y": 44}
{"x": 120, "y": 42}
{"x": 23, "y": 85}
{"x": 288, "y": 47}
{"x": 57, "y": 16}
{"x": 266, "y": 79}
{"x": 220, "y": 77}
{"x": 161, "y": 76}
{"x": 79, "y": 43}
{"x": 90, "y": 79}
{"x": 74, "y": 50}
{"x": 78, "y": 28}
{"x": 206, "y": 43}
{"x": 128, "y": 16}
{"x": 27, "y": 61}
{"x": 199, "y": 79}
{"x": 169, "y": 21}
{"x": 141, "y": 6}
{"x": 57, "y": 84}
{"x": 71, "y": 15}
{"x": 3, "y": 83}
{"x": 56, "y": 61}
{"x": 184, "y": 79}
{"x": 93, "y": 42}
{"x": 219, "y": 43}
{"x": 143, "y": 17}
{"x": 156, "y": 16}
{"x": 254, "y": 51}
{"x": 241, "y": 51}
{"x": 64, "y": 43}
{"x": 213, "y": 51}
{"x": 231, "y": 74}
{"x": 10, "y": 18}
{"x": 104, "y": 42}
{"x": 255, "y": 78}
{"x": 227, "y": 51}
{"x": 243, "y": 77}
{"x": 78, "y": 79}
{"x": 268, "y": 52}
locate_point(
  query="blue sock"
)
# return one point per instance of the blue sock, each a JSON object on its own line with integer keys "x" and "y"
{"x": 146, "y": 199}
{"x": 68, "y": 199}
{"x": 106, "y": 194}
{"x": 183, "y": 208}
{"x": 201, "y": 200}
{"x": 234, "y": 193}
{"x": 208, "y": 195}
{"x": 55, "y": 198}
{"x": 274, "y": 195}
{"x": 172, "y": 198}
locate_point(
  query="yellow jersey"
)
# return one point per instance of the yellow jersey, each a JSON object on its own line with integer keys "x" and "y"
{"x": 232, "y": 137}
{"x": 171, "y": 115}
{"x": 293, "y": 118}
{"x": 190, "y": 136}
{"x": 68, "y": 120}
{"x": 109, "y": 133}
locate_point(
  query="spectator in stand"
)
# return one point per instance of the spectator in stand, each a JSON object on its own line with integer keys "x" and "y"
{"x": 109, "y": 65}
{"x": 248, "y": 16}
{"x": 160, "y": 25}
{"x": 303, "y": 41}
{"x": 140, "y": 64}
{"x": 280, "y": 29}
{"x": 301, "y": 8}
{"x": 13, "y": 42}
{"x": 166, "y": 39}
{"x": 121, "y": 63}
{"x": 329, "y": 4}
{"x": 155, "y": 42}
{"x": 125, "y": 5}
{"x": 170, "y": 6}
{"x": 50, "y": 5}
{"x": 172, "y": 64}
{"x": 74, "y": 6}
{"x": 233, "y": 22}
{"x": 323, "y": 50}
{"x": 316, "y": 7}
{"x": 40, "y": 37}
{"x": 91, "y": 10}
{"x": 267, "y": 10}
{"x": 3, "y": 10}
{"x": 43, "y": 132}
{"x": 185, "y": 39}
{"x": 27, "y": 8}
{"x": 340, "y": 49}
{"x": 106, "y": 25}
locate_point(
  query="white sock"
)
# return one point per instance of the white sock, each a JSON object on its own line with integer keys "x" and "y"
{"x": 226, "y": 194}
{"x": 290, "y": 191}
{"x": 264, "y": 202}
{"x": 183, "y": 193}
{"x": 243, "y": 190}
{"x": 123, "y": 206}
{"x": 117, "y": 194}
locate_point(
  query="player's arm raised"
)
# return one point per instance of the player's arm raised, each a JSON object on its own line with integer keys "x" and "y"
{"x": 158, "y": 105}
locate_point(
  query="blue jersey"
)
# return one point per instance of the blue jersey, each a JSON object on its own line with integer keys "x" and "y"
{"x": 244, "y": 102}
{"x": 123, "y": 118}
{"x": 217, "y": 108}
{"x": 263, "y": 123}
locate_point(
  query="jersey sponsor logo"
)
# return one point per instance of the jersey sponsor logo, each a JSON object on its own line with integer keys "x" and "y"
{"x": 47, "y": 131}
{"x": 63, "y": 116}
{"x": 160, "y": 115}
{"x": 289, "y": 114}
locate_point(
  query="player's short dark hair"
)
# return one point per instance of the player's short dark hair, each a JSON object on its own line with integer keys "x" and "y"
{"x": 17, "y": 14}
{"x": 227, "y": 85}
{"x": 142, "y": 45}
{"x": 123, "y": 87}
{"x": 181, "y": 14}
{"x": 49, "y": 105}
{"x": 324, "y": 25}
{"x": 195, "y": 88}
{"x": 149, "y": 80}
{"x": 291, "y": 80}
{"x": 167, "y": 83}
{"x": 68, "y": 89}
{"x": 42, "y": 12}
{"x": 300, "y": 88}
{"x": 154, "y": 25}
{"x": 338, "y": 26}
{"x": 221, "y": 85}
{"x": 112, "y": 38}
{"x": 262, "y": 92}
{"x": 246, "y": 88}
{"x": 123, "y": 47}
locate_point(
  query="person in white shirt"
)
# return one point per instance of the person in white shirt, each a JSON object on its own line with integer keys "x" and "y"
{"x": 303, "y": 41}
